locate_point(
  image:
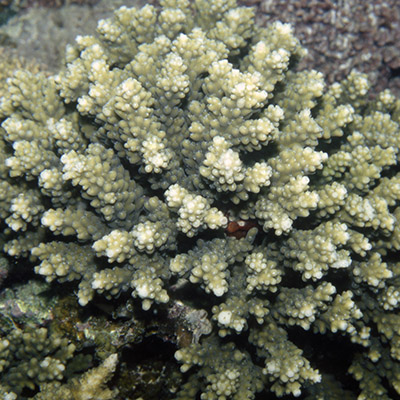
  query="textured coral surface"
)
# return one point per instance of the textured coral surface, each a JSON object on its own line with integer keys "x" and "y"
{"x": 179, "y": 158}
{"x": 344, "y": 35}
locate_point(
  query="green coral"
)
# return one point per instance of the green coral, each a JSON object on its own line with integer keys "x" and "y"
{"x": 32, "y": 357}
{"x": 142, "y": 165}
{"x": 91, "y": 385}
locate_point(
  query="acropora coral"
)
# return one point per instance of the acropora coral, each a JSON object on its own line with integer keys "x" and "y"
{"x": 123, "y": 172}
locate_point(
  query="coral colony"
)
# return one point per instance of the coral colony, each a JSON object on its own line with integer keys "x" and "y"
{"x": 179, "y": 156}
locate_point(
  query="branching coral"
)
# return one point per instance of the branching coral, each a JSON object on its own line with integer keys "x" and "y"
{"x": 166, "y": 123}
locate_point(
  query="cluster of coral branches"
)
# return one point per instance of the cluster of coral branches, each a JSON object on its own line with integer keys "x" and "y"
{"x": 126, "y": 172}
